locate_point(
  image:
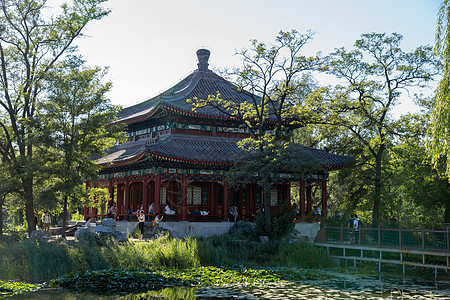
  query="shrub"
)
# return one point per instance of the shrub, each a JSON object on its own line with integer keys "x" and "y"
{"x": 282, "y": 223}
{"x": 226, "y": 250}
{"x": 302, "y": 255}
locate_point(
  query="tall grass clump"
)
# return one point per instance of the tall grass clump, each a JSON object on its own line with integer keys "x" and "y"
{"x": 32, "y": 260}
{"x": 164, "y": 252}
{"x": 302, "y": 255}
{"x": 40, "y": 260}
{"x": 227, "y": 250}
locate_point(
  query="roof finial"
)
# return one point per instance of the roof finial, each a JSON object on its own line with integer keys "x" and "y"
{"x": 203, "y": 56}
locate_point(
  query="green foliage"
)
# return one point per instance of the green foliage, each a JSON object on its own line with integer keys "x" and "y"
{"x": 245, "y": 231}
{"x": 35, "y": 261}
{"x": 163, "y": 252}
{"x": 170, "y": 293}
{"x": 120, "y": 281}
{"x": 91, "y": 239}
{"x": 281, "y": 224}
{"x": 302, "y": 255}
{"x": 114, "y": 281}
{"x": 34, "y": 38}
{"x": 74, "y": 119}
{"x": 357, "y": 113}
{"x": 438, "y": 130}
{"x": 227, "y": 250}
{"x": 9, "y": 288}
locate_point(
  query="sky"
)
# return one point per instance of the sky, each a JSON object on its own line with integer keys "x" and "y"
{"x": 150, "y": 45}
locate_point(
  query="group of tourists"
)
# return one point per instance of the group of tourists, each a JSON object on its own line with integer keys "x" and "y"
{"x": 353, "y": 225}
{"x": 112, "y": 211}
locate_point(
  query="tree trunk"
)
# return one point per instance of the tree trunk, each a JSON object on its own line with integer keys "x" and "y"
{"x": 447, "y": 205}
{"x": 64, "y": 219}
{"x": 29, "y": 205}
{"x": 377, "y": 189}
{"x": 267, "y": 213}
{"x": 2, "y": 200}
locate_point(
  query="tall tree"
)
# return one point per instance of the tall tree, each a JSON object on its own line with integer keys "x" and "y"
{"x": 372, "y": 77}
{"x": 439, "y": 143}
{"x": 32, "y": 40}
{"x": 272, "y": 74}
{"x": 76, "y": 116}
{"x": 422, "y": 181}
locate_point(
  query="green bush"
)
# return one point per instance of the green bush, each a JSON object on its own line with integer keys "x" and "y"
{"x": 282, "y": 222}
{"x": 227, "y": 250}
{"x": 302, "y": 255}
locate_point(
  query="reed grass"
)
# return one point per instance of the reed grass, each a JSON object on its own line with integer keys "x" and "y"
{"x": 37, "y": 261}
{"x": 40, "y": 260}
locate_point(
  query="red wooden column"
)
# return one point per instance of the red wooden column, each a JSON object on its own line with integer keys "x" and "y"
{"x": 309, "y": 198}
{"x": 324, "y": 198}
{"x": 86, "y": 208}
{"x": 134, "y": 196}
{"x": 225, "y": 201}
{"x": 127, "y": 195}
{"x": 302, "y": 197}
{"x": 183, "y": 197}
{"x": 145, "y": 194}
{"x": 157, "y": 193}
{"x": 119, "y": 199}
{"x": 212, "y": 200}
{"x": 95, "y": 209}
{"x": 111, "y": 191}
{"x": 251, "y": 200}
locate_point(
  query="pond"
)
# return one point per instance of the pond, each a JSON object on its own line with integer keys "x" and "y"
{"x": 331, "y": 285}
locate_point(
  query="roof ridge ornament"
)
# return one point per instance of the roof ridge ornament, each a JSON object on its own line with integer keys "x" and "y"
{"x": 203, "y": 57}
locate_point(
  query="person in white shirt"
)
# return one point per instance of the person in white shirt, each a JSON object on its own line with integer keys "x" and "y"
{"x": 356, "y": 225}
{"x": 90, "y": 224}
{"x": 47, "y": 221}
{"x": 156, "y": 222}
{"x": 141, "y": 219}
{"x": 168, "y": 211}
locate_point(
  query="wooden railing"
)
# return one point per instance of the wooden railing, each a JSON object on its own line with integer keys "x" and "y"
{"x": 431, "y": 240}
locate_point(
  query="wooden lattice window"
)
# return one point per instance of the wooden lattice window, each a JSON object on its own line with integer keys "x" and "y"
{"x": 163, "y": 195}
{"x": 194, "y": 195}
{"x": 273, "y": 197}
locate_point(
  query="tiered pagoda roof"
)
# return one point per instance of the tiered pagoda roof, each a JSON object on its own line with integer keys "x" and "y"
{"x": 199, "y": 84}
{"x": 189, "y": 147}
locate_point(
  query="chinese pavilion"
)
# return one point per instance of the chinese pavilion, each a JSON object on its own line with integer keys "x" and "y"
{"x": 179, "y": 157}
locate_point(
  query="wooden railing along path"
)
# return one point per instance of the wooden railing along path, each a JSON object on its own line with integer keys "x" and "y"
{"x": 406, "y": 247}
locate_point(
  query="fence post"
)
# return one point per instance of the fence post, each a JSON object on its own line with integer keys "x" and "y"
{"x": 341, "y": 238}
{"x": 379, "y": 236}
{"x": 423, "y": 238}
{"x": 448, "y": 240}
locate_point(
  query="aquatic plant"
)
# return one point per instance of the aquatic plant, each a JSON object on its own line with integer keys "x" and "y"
{"x": 114, "y": 281}
{"x": 9, "y": 288}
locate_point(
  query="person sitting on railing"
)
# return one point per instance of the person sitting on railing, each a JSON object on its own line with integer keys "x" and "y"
{"x": 317, "y": 211}
{"x": 168, "y": 211}
{"x": 114, "y": 211}
{"x": 151, "y": 209}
